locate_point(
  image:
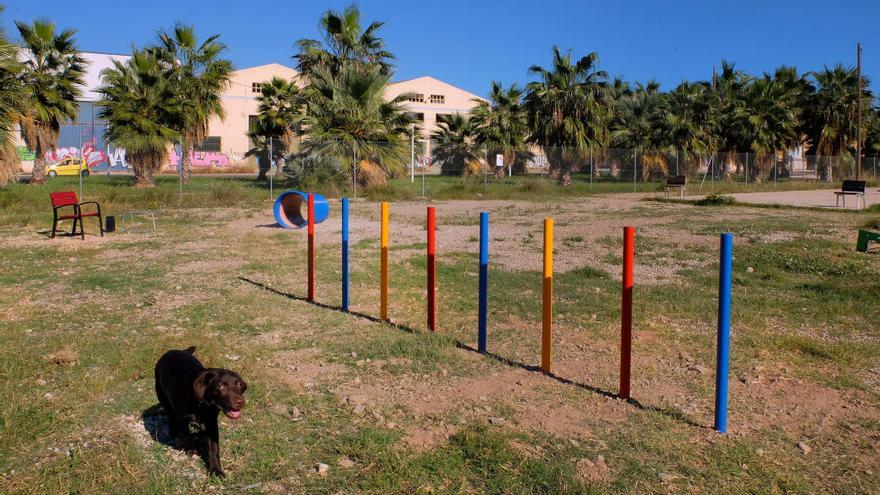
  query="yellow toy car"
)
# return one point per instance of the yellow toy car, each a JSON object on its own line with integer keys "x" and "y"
{"x": 68, "y": 166}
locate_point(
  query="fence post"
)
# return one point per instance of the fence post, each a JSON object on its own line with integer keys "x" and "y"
{"x": 484, "y": 281}
{"x": 383, "y": 269}
{"x": 626, "y": 312}
{"x": 635, "y": 155}
{"x": 432, "y": 272}
{"x": 345, "y": 272}
{"x": 722, "y": 360}
{"x": 547, "y": 313}
{"x": 311, "y": 248}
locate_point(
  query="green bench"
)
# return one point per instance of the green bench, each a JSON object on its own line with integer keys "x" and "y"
{"x": 866, "y": 236}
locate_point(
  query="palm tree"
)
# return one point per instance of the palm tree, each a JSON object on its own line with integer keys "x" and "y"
{"x": 53, "y": 75}
{"x": 280, "y": 103}
{"x": 728, "y": 99}
{"x": 12, "y": 95}
{"x": 564, "y": 110}
{"x": 771, "y": 121}
{"x": 348, "y": 117}
{"x": 641, "y": 125}
{"x": 500, "y": 124}
{"x": 834, "y": 126}
{"x": 688, "y": 122}
{"x": 266, "y": 139}
{"x": 200, "y": 76}
{"x": 139, "y": 104}
{"x": 457, "y": 150}
{"x": 344, "y": 43}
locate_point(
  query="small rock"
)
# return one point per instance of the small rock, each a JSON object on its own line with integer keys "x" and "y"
{"x": 322, "y": 469}
{"x": 666, "y": 477}
{"x": 359, "y": 409}
{"x": 496, "y": 421}
{"x": 346, "y": 463}
{"x": 390, "y": 425}
{"x": 233, "y": 357}
{"x": 806, "y": 449}
{"x": 354, "y": 354}
{"x": 750, "y": 270}
{"x": 40, "y": 382}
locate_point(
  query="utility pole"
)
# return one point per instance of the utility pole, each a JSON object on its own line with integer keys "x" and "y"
{"x": 412, "y": 153}
{"x": 859, "y": 117}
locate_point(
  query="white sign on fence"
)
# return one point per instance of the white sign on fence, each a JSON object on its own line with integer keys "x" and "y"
{"x": 499, "y": 160}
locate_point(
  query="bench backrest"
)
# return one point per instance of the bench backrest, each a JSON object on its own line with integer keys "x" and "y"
{"x": 63, "y": 198}
{"x": 853, "y": 186}
{"x": 676, "y": 180}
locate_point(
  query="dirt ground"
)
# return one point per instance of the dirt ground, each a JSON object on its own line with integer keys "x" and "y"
{"x": 318, "y": 375}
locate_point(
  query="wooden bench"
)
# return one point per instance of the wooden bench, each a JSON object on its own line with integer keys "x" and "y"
{"x": 866, "y": 236}
{"x": 675, "y": 182}
{"x": 63, "y": 199}
{"x": 851, "y": 188}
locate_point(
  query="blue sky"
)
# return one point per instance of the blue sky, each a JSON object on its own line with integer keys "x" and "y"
{"x": 470, "y": 43}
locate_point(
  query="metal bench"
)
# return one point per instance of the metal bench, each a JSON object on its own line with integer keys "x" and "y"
{"x": 675, "y": 182}
{"x": 866, "y": 236}
{"x": 851, "y": 188}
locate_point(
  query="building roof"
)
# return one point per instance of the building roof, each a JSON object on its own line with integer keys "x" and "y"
{"x": 433, "y": 80}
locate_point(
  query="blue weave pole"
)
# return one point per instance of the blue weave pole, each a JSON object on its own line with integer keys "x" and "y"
{"x": 723, "y": 358}
{"x": 484, "y": 279}
{"x": 345, "y": 254}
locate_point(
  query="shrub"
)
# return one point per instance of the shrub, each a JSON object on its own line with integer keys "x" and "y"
{"x": 715, "y": 199}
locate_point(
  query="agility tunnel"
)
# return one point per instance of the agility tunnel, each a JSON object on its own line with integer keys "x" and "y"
{"x": 291, "y": 205}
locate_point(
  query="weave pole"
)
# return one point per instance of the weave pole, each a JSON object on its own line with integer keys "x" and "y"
{"x": 383, "y": 274}
{"x": 311, "y": 235}
{"x": 432, "y": 271}
{"x": 626, "y": 300}
{"x": 345, "y": 272}
{"x": 722, "y": 369}
{"x": 547, "y": 320}
{"x": 484, "y": 280}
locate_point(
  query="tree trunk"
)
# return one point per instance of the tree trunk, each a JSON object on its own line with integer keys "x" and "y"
{"x": 38, "y": 174}
{"x": 186, "y": 161}
{"x": 262, "y": 165}
{"x": 143, "y": 176}
{"x": 565, "y": 176}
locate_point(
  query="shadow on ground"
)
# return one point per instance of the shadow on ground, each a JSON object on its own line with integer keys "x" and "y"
{"x": 671, "y": 413}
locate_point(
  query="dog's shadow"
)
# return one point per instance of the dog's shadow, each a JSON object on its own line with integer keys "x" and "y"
{"x": 156, "y": 424}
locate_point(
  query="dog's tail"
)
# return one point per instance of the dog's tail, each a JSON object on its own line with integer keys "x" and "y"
{"x": 190, "y": 350}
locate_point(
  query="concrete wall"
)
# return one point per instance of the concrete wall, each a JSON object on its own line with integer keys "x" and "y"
{"x": 240, "y": 102}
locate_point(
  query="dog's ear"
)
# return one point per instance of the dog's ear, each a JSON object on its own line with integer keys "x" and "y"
{"x": 202, "y": 382}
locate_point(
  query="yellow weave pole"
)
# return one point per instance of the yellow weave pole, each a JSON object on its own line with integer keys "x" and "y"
{"x": 383, "y": 284}
{"x": 547, "y": 322}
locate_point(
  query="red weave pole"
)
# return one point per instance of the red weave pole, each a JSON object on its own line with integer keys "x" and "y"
{"x": 432, "y": 272}
{"x": 311, "y": 232}
{"x": 629, "y": 235}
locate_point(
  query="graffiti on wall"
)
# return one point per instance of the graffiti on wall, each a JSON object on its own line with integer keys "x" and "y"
{"x": 200, "y": 159}
{"x": 93, "y": 157}
{"x": 24, "y": 154}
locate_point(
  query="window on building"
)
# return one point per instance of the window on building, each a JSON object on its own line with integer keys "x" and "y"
{"x": 443, "y": 116}
{"x": 439, "y": 99}
{"x": 417, "y": 97}
{"x": 211, "y": 143}
{"x": 420, "y": 117}
{"x": 255, "y": 87}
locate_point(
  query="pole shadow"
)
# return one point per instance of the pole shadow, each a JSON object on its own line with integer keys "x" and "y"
{"x": 676, "y": 415}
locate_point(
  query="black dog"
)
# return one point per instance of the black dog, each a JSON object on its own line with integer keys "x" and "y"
{"x": 193, "y": 396}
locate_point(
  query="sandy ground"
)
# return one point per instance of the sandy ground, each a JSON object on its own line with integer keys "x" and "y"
{"x": 823, "y": 198}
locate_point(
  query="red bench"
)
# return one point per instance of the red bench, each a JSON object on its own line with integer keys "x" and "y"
{"x": 64, "y": 199}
